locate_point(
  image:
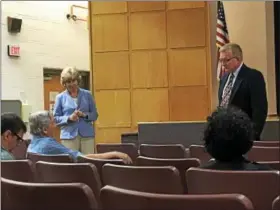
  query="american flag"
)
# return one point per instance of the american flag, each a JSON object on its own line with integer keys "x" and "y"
{"x": 221, "y": 35}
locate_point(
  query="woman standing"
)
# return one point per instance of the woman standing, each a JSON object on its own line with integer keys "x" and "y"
{"x": 74, "y": 112}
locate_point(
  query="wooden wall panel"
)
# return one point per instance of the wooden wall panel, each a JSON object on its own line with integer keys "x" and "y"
{"x": 138, "y": 6}
{"x": 189, "y": 103}
{"x": 187, "y": 33}
{"x": 110, "y": 135}
{"x": 150, "y": 105}
{"x": 187, "y": 67}
{"x": 185, "y": 4}
{"x": 150, "y": 62}
{"x": 149, "y": 69}
{"x": 147, "y": 30}
{"x": 105, "y": 29}
{"x": 113, "y": 108}
{"x": 111, "y": 70}
{"x": 108, "y": 7}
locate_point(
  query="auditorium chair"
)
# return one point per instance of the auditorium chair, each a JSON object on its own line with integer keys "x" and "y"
{"x": 122, "y": 199}
{"x": 30, "y": 196}
{"x": 163, "y": 151}
{"x": 154, "y": 179}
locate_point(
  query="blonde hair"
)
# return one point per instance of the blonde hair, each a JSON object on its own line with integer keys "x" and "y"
{"x": 234, "y": 48}
{"x": 69, "y": 73}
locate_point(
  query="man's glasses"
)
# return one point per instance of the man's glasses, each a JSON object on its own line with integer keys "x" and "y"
{"x": 226, "y": 60}
{"x": 19, "y": 139}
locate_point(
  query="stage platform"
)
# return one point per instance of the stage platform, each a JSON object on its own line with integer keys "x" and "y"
{"x": 188, "y": 133}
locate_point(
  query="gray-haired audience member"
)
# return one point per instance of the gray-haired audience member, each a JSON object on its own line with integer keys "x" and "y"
{"x": 42, "y": 142}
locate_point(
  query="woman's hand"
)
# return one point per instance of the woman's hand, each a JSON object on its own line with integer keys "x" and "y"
{"x": 80, "y": 113}
{"x": 74, "y": 116}
{"x": 126, "y": 159}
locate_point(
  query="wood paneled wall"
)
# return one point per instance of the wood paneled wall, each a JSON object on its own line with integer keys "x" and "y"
{"x": 150, "y": 62}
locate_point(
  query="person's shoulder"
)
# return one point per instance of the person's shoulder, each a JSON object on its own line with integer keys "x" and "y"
{"x": 258, "y": 167}
{"x": 253, "y": 72}
{"x": 85, "y": 91}
{"x": 61, "y": 94}
{"x": 5, "y": 155}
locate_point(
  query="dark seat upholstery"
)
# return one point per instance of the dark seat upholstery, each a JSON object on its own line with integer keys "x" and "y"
{"x": 39, "y": 196}
{"x": 86, "y": 173}
{"x": 182, "y": 165}
{"x": 199, "y": 151}
{"x": 99, "y": 163}
{"x": 267, "y": 143}
{"x": 121, "y": 199}
{"x": 261, "y": 187}
{"x": 163, "y": 151}
{"x": 127, "y": 148}
{"x": 264, "y": 154}
{"x": 17, "y": 170}
{"x": 63, "y": 158}
{"x": 276, "y": 204}
{"x": 157, "y": 179}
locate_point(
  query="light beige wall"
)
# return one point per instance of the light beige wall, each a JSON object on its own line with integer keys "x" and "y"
{"x": 251, "y": 25}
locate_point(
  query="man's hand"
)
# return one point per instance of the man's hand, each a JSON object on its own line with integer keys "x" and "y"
{"x": 126, "y": 159}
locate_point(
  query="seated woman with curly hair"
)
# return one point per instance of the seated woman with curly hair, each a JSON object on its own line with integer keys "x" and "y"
{"x": 227, "y": 138}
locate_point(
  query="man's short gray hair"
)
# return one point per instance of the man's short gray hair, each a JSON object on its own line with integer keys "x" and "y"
{"x": 69, "y": 73}
{"x": 234, "y": 48}
{"x": 39, "y": 121}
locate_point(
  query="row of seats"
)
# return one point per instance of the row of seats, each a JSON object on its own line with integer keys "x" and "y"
{"x": 155, "y": 179}
{"x": 139, "y": 182}
{"x": 163, "y": 180}
{"x": 72, "y": 196}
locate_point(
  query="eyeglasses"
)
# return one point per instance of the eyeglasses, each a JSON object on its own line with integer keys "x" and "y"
{"x": 226, "y": 60}
{"x": 19, "y": 139}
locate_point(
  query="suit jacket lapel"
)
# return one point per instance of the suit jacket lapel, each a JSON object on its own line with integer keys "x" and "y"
{"x": 237, "y": 83}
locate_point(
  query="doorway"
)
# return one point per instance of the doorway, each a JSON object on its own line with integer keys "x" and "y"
{"x": 52, "y": 87}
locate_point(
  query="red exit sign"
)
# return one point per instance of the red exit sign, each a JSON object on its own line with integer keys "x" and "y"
{"x": 13, "y": 50}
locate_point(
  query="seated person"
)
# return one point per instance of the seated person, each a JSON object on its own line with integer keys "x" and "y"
{"x": 12, "y": 130}
{"x": 229, "y": 136}
{"x": 42, "y": 141}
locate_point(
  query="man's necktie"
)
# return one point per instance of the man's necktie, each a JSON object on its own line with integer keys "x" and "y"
{"x": 227, "y": 92}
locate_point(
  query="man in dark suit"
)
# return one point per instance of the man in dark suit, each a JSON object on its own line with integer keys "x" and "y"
{"x": 242, "y": 87}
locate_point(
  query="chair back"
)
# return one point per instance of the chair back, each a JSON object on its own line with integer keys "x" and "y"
{"x": 182, "y": 165}
{"x": 62, "y": 158}
{"x": 157, "y": 179}
{"x": 199, "y": 151}
{"x": 264, "y": 154}
{"x": 276, "y": 204}
{"x": 205, "y": 181}
{"x": 122, "y": 199}
{"x": 86, "y": 173}
{"x": 127, "y": 148}
{"x": 17, "y": 170}
{"x": 99, "y": 163}
{"x": 163, "y": 151}
{"x": 267, "y": 143}
{"x": 30, "y": 196}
